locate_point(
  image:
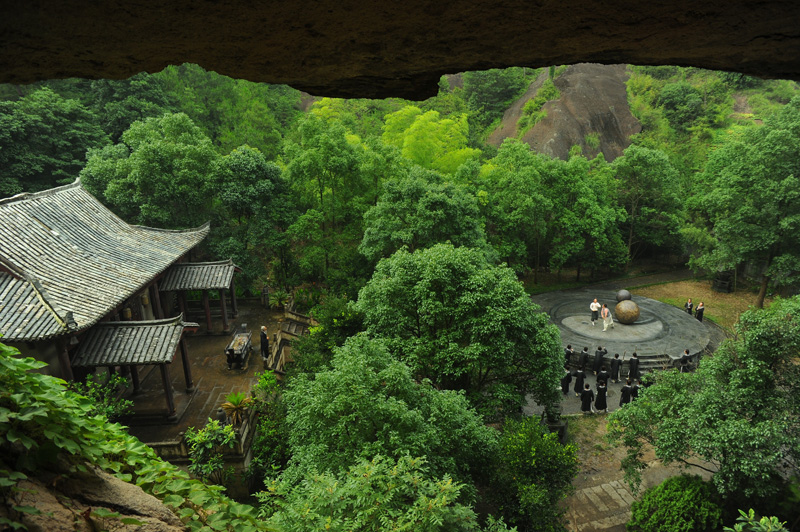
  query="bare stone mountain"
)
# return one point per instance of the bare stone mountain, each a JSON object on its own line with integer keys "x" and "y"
{"x": 593, "y": 102}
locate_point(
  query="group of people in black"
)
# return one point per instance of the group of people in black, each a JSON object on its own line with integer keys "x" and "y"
{"x": 698, "y": 312}
{"x": 597, "y": 400}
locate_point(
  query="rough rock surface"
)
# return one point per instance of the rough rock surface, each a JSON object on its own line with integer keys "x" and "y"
{"x": 593, "y": 101}
{"x": 379, "y": 49}
{"x": 66, "y": 504}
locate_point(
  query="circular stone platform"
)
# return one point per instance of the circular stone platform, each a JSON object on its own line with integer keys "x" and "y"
{"x": 660, "y": 330}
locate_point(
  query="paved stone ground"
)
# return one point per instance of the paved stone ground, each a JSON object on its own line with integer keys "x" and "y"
{"x": 212, "y": 379}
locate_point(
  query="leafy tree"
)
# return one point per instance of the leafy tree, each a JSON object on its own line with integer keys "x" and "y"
{"x": 252, "y": 213}
{"x": 649, "y": 189}
{"x": 430, "y": 141}
{"x": 43, "y": 141}
{"x": 374, "y": 495}
{"x": 102, "y": 390}
{"x": 161, "y": 174}
{"x": 120, "y": 103}
{"x": 464, "y": 324}
{"x": 685, "y": 502}
{"x": 534, "y": 473}
{"x": 587, "y": 215}
{"x": 368, "y": 404}
{"x": 682, "y": 104}
{"x": 738, "y": 412}
{"x": 753, "y": 202}
{"x": 233, "y": 112}
{"x": 205, "y": 451}
{"x": 489, "y": 92}
{"x": 417, "y": 212}
{"x": 323, "y": 171}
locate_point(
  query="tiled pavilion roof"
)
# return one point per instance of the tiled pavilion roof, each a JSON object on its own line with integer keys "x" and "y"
{"x": 199, "y": 276}
{"x": 122, "y": 343}
{"x": 66, "y": 261}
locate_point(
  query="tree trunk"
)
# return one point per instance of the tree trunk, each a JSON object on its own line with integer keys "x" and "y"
{"x": 578, "y": 275}
{"x": 762, "y": 292}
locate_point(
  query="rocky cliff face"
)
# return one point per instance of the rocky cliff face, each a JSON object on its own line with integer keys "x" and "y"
{"x": 68, "y": 504}
{"x": 592, "y": 113}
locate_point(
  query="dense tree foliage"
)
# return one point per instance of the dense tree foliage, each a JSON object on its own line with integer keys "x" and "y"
{"x": 43, "y": 141}
{"x": 162, "y": 173}
{"x": 752, "y": 202}
{"x": 464, "y": 324}
{"x": 419, "y": 211}
{"x": 737, "y": 413}
{"x": 368, "y": 404}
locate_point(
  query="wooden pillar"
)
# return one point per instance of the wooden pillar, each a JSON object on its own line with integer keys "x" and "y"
{"x": 224, "y": 308}
{"x": 208, "y": 312}
{"x": 135, "y": 378}
{"x": 187, "y": 368}
{"x": 63, "y": 359}
{"x": 155, "y": 301}
{"x": 182, "y": 303}
{"x": 234, "y": 305}
{"x": 171, "y": 413}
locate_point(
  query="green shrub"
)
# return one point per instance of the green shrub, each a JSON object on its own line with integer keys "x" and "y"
{"x": 747, "y": 522}
{"x": 205, "y": 451}
{"x": 685, "y": 503}
{"x": 102, "y": 391}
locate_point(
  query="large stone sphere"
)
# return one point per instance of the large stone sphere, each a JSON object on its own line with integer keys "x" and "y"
{"x": 623, "y": 295}
{"x": 626, "y": 311}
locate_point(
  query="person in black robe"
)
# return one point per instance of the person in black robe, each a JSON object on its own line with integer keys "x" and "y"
{"x": 580, "y": 376}
{"x": 603, "y": 375}
{"x": 633, "y": 373}
{"x": 565, "y": 380}
{"x": 568, "y": 352}
{"x": 684, "y": 367}
{"x": 625, "y": 393}
{"x": 616, "y": 363}
{"x": 584, "y": 359}
{"x": 264, "y": 343}
{"x": 689, "y": 306}
{"x": 598, "y": 358}
{"x": 600, "y": 404}
{"x": 699, "y": 312}
{"x": 587, "y": 398}
{"x": 685, "y": 359}
{"x": 635, "y": 390}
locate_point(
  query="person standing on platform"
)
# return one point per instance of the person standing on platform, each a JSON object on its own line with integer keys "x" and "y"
{"x": 635, "y": 390}
{"x": 600, "y": 404}
{"x": 598, "y": 358}
{"x": 568, "y": 352}
{"x": 699, "y": 312}
{"x": 587, "y": 398}
{"x": 685, "y": 359}
{"x": 594, "y": 306}
{"x": 689, "y": 306}
{"x": 264, "y": 343}
{"x": 633, "y": 372}
{"x": 603, "y": 375}
{"x": 616, "y": 363}
{"x": 608, "y": 320}
{"x": 580, "y": 377}
{"x": 584, "y": 359}
{"x": 565, "y": 380}
{"x": 625, "y": 393}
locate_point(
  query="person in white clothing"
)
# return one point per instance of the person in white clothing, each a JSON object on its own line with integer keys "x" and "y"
{"x": 595, "y": 308}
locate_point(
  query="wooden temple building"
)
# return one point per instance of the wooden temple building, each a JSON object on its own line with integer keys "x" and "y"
{"x": 81, "y": 289}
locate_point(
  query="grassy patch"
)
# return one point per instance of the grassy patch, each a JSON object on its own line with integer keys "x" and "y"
{"x": 722, "y": 309}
